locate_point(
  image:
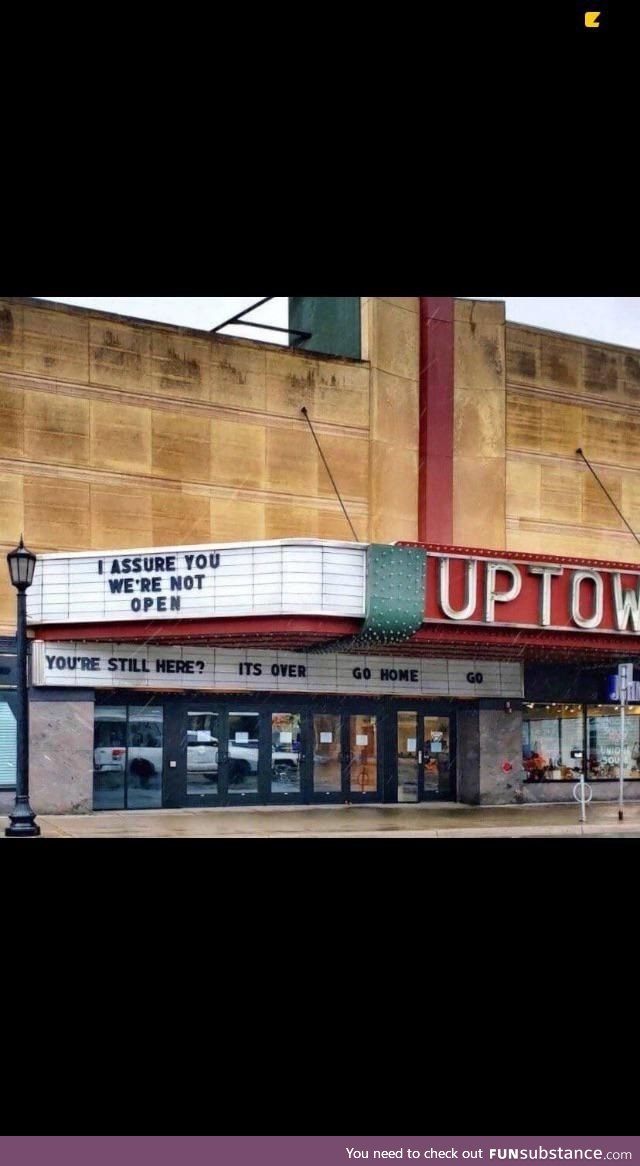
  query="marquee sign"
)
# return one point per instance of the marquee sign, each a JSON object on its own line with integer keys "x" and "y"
{"x": 82, "y": 665}
{"x": 393, "y": 589}
{"x": 296, "y": 576}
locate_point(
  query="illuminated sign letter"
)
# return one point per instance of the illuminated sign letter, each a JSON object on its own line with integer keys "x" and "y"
{"x": 593, "y": 620}
{"x": 545, "y": 590}
{"x": 626, "y": 604}
{"x": 471, "y": 577}
{"x": 491, "y": 596}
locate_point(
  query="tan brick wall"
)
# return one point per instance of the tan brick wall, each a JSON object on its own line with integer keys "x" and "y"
{"x": 118, "y": 433}
{"x": 564, "y": 393}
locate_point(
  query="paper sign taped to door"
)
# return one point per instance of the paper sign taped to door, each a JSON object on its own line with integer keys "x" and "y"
{"x": 362, "y": 739}
{"x": 286, "y": 738}
{"x": 411, "y": 744}
{"x": 326, "y": 738}
{"x": 241, "y": 738}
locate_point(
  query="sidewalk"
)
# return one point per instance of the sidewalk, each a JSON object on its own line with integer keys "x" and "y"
{"x": 366, "y": 821}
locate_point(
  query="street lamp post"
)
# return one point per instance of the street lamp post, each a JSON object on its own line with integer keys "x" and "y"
{"x": 22, "y": 818}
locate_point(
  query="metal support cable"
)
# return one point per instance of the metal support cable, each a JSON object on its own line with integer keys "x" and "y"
{"x": 238, "y": 319}
{"x": 308, "y": 420}
{"x": 604, "y": 489}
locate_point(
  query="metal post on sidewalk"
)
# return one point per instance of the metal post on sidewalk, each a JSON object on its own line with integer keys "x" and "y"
{"x": 621, "y": 793}
{"x": 583, "y": 793}
{"x": 625, "y": 676}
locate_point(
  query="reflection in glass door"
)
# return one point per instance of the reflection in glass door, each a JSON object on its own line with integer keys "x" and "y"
{"x": 407, "y": 757}
{"x": 327, "y": 757}
{"x": 109, "y": 757}
{"x": 127, "y": 757}
{"x": 203, "y": 734}
{"x": 243, "y": 753}
{"x": 363, "y": 756}
{"x": 437, "y": 758}
{"x": 144, "y": 758}
{"x": 286, "y": 754}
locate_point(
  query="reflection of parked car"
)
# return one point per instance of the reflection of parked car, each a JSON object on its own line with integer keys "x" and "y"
{"x": 243, "y": 760}
{"x": 145, "y": 758}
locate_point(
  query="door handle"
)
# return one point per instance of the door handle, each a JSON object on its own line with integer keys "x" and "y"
{"x": 419, "y": 756}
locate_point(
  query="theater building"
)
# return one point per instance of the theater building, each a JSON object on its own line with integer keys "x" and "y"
{"x": 211, "y": 624}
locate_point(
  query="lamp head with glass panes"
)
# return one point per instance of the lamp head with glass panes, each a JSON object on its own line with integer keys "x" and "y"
{"x": 22, "y": 564}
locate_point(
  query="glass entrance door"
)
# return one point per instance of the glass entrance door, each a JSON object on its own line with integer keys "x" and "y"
{"x": 286, "y": 757}
{"x": 362, "y": 758}
{"x": 326, "y": 778}
{"x": 234, "y": 756}
{"x": 203, "y": 747}
{"x": 242, "y": 757}
{"x": 345, "y": 758}
{"x": 437, "y": 783}
{"x": 407, "y": 757}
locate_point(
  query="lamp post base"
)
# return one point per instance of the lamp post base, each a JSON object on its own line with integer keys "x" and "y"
{"x": 23, "y": 821}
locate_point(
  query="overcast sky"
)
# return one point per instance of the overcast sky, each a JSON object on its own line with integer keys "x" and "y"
{"x": 608, "y": 318}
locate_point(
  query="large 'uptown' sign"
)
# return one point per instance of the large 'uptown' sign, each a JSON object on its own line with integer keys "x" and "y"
{"x": 82, "y": 665}
{"x": 298, "y": 576}
{"x": 531, "y": 592}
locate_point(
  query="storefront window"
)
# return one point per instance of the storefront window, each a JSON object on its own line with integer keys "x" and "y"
{"x": 603, "y": 742}
{"x": 127, "y": 757}
{"x": 7, "y": 744}
{"x": 552, "y": 742}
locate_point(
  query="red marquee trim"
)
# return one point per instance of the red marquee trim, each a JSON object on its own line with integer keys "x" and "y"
{"x": 181, "y": 631}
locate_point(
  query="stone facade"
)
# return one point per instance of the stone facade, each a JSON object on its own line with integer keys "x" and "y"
{"x": 61, "y": 755}
{"x": 488, "y": 740}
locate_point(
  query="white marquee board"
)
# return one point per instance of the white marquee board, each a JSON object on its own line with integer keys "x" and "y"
{"x": 297, "y": 576}
{"x": 85, "y": 665}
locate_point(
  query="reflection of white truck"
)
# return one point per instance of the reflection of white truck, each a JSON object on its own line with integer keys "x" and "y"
{"x": 145, "y": 759}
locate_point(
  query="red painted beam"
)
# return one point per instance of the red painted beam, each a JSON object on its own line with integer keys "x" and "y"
{"x": 435, "y": 481}
{"x": 576, "y": 643}
{"x": 181, "y": 631}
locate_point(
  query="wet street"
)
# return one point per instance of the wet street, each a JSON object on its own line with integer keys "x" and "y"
{"x": 366, "y": 821}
